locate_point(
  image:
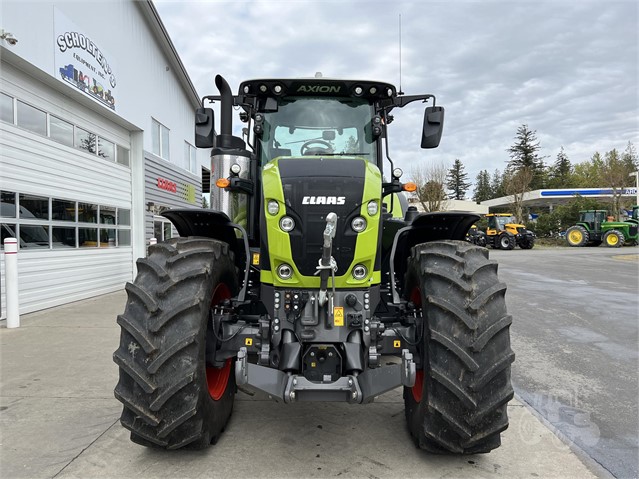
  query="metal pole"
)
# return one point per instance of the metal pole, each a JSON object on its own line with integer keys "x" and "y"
{"x": 11, "y": 280}
{"x": 636, "y": 175}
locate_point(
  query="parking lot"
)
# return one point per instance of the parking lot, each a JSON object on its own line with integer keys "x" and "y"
{"x": 575, "y": 334}
{"x": 58, "y": 416}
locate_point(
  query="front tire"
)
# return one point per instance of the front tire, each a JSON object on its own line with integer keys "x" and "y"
{"x": 458, "y": 404}
{"x": 614, "y": 239}
{"x": 506, "y": 241}
{"x": 172, "y": 398}
{"x": 577, "y": 236}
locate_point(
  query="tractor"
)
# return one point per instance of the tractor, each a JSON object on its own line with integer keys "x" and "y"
{"x": 311, "y": 280}
{"x": 504, "y": 232}
{"x": 592, "y": 229}
{"x": 476, "y": 236}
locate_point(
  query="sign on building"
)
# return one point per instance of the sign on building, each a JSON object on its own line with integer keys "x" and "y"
{"x": 83, "y": 64}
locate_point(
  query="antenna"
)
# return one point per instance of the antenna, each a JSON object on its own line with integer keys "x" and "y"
{"x": 400, "y": 92}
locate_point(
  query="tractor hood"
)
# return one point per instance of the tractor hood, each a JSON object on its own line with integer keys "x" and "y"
{"x": 308, "y": 189}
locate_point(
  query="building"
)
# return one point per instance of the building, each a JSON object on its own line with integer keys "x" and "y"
{"x": 96, "y": 139}
{"x": 453, "y": 205}
{"x": 551, "y": 198}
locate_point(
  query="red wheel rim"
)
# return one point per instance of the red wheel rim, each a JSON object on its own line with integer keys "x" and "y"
{"x": 418, "y": 388}
{"x": 218, "y": 378}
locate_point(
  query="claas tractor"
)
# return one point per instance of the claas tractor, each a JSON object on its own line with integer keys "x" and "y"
{"x": 311, "y": 280}
{"x": 592, "y": 229}
{"x": 504, "y": 232}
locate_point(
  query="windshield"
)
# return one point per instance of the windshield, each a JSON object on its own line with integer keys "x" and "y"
{"x": 504, "y": 220}
{"x": 318, "y": 126}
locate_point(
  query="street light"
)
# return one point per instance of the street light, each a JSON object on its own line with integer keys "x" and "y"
{"x": 636, "y": 175}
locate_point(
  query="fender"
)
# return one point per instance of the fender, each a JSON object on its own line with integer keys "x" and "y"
{"x": 216, "y": 225}
{"x": 425, "y": 228}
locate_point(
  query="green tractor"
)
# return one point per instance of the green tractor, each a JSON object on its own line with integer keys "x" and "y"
{"x": 593, "y": 229}
{"x": 302, "y": 284}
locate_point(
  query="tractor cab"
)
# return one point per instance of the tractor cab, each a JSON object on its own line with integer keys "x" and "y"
{"x": 593, "y": 219}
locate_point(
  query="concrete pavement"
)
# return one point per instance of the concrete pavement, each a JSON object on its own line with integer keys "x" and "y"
{"x": 58, "y": 418}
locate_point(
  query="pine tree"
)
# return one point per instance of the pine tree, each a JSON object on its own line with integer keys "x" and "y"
{"x": 457, "y": 181}
{"x": 497, "y": 189}
{"x": 482, "y": 187}
{"x": 561, "y": 171}
{"x": 524, "y": 153}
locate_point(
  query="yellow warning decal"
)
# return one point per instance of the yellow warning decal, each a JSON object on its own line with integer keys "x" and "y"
{"x": 256, "y": 259}
{"x": 397, "y": 343}
{"x": 248, "y": 342}
{"x": 338, "y": 316}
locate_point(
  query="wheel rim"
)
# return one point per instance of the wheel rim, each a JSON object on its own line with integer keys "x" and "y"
{"x": 575, "y": 236}
{"x": 218, "y": 378}
{"x": 418, "y": 389}
{"x": 613, "y": 240}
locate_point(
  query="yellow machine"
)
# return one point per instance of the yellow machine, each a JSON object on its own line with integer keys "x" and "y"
{"x": 504, "y": 232}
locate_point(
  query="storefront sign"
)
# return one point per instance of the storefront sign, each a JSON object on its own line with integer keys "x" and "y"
{"x": 167, "y": 185}
{"x": 81, "y": 63}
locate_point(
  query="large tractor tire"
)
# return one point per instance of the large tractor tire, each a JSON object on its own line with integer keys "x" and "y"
{"x": 614, "y": 239}
{"x": 577, "y": 236}
{"x": 506, "y": 241}
{"x": 458, "y": 403}
{"x": 172, "y": 397}
{"x": 527, "y": 243}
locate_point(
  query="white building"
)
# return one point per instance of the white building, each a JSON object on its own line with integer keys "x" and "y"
{"x": 96, "y": 138}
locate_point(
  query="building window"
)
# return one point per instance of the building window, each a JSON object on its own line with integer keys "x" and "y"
{"x": 122, "y": 155}
{"x": 7, "y": 204}
{"x": 6, "y": 108}
{"x": 63, "y": 210}
{"x": 85, "y": 140}
{"x": 162, "y": 229}
{"x": 190, "y": 159}
{"x": 34, "y": 207}
{"x": 60, "y": 130}
{"x": 32, "y": 119}
{"x": 160, "y": 139}
{"x": 53, "y": 223}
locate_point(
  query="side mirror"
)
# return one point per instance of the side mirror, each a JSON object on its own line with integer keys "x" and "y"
{"x": 433, "y": 126}
{"x": 204, "y": 128}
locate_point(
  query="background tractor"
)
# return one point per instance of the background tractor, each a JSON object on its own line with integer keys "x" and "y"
{"x": 504, "y": 232}
{"x": 308, "y": 272}
{"x": 592, "y": 229}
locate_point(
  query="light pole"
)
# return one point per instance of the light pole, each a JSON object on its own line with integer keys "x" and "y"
{"x": 636, "y": 175}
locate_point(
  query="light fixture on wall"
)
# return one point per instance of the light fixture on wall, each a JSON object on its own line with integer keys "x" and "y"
{"x": 8, "y": 37}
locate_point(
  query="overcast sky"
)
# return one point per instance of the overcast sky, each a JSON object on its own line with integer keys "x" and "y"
{"x": 567, "y": 69}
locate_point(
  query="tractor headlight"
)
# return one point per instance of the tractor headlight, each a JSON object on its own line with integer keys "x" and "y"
{"x": 358, "y": 224}
{"x": 284, "y": 271}
{"x": 273, "y": 207}
{"x": 360, "y": 272}
{"x": 372, "y": 208}
{"x": 287, "y": 223}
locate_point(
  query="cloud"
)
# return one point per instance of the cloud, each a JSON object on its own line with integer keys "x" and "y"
{"x": 569, "y": 70}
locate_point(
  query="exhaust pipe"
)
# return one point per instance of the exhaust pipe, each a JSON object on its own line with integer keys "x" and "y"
{"x": 226, "y": 105}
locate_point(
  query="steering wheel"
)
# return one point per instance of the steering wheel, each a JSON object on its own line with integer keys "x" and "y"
{"x": 324, "y": 149}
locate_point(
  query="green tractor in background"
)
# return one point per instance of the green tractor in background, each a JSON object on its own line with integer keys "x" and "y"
{"x": 593, "y": 229}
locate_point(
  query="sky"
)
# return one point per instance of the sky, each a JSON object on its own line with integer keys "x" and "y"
{"x": 567, "y": 69}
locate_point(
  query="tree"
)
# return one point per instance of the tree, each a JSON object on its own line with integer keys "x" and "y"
{"x": 524, "y": 153}
{"x": 430, "y": 180}
{"x": 457, "y": 181}
{"x": 497, "y": 189}
{"x": 517, "y": 184}
{"x": 629, "y": 157}
{"x": 482, "y": 190}
{"x": 615, "y": 174}
{"x": 561, "y": 171}
{"x": 588, "y": 173}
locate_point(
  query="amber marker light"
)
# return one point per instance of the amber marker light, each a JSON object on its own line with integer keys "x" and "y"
{"x": 410, "y": 187}
{"x": 222, "y": 183}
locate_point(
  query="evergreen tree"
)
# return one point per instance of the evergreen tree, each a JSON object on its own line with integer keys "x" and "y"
{"x": 524, "y": 153}
{"x": 482, "y": 190}
{"x": 497, "y": 189}
{"x": 629, "y": 157}
{"x": 456, "y": 181}
{"x": 561, "y": 171}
